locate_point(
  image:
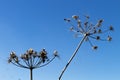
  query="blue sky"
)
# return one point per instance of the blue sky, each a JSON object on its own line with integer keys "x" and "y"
{"x": 40, "y": 24}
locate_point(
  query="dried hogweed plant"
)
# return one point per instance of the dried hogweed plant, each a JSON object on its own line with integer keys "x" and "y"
{"x": 31, "y": 60}
{"x": 88, "y": 31}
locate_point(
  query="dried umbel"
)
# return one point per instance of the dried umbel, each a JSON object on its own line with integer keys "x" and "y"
{"x": 31, "y": 59}
{"x": 95, "y": 31}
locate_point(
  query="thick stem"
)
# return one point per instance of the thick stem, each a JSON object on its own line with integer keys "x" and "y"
{"x": 75, "y": 52}
{"x": 31, "y": 75}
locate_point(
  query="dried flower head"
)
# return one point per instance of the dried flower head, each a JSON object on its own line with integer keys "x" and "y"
{"x": 98, "y": 38}
{"x": 89, "y": 30}
{"x": 56, "y": 53}
{"x": 99, "y": 31}
{"x": 71, "y": 28}
{"x": 30, "y": 51}
{"x": 12, "y": 55}
{"x": 78, "y": 21}
{"x": 43, "y": 55}
{"x": 94, "y": 47}
{"x": 87, "y": 16}
{"x": 75, "y": 17}
{"x": 31, "y": 59}
{"x": 109, "y": 38}
{"x": 67, "y": 20}
{"x": 111, "y": 28}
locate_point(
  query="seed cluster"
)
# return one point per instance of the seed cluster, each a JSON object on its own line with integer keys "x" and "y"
{"x": 31, "y": 59}
{"x": 88, "y": 29}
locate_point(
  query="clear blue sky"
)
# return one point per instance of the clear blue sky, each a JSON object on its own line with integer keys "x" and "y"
{"x": 39, "y": 24}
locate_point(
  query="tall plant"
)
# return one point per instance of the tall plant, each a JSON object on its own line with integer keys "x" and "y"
{"x": 88, "y": 31}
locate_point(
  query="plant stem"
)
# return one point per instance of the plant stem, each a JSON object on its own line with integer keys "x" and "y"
{"x": 31, "y": 75}
{"x": 75, "y": 52}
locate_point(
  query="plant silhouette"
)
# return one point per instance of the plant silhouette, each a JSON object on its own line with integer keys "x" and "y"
{"x": 88, "y": 31}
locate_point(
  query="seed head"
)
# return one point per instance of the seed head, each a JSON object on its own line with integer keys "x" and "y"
{"x": 98, "y": 38}
{"x": 75, "y": 17}
{"x": 22, "y": 56}
{"x": 79, "y": 21}
{"x": 87, "y": 17}
{"x": 109, "y": 38}
{"x": 71, "y": 28}
{"x": 30, "y": 51}
{"x": 85, "y": 23}
{"x": 67, "y": 20}
{"x": 12, "y": 55}
{"x": 99, "y": 31}
{"x": 56, "y": 53}
{"x": 111, "y": 28}
{"x": 94, "y": 47}
{"x": 100, "y": 22}
{"x": 88, "y": 29}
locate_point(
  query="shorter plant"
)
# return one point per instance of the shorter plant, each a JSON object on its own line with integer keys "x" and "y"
{"x": 31, "y": 59}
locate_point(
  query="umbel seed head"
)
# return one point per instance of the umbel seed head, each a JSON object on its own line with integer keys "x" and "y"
{"x": 30, "y": 51}
{"x": 99, "y": 31}
{"x": 87, "y": 17}
{"x": 71, "y": 28}
{"x": 31, "y": 59}
{"x": 94, "y": 47}
{"x": 109, "y": 38}
{"x": 100, "y": 21}
{"x": 67, "y": 20}
{"x": 12, "y": 55}
{"x": 79, "y": 21}
{"x": 111, "y": 28}
{"x": 75, "y": 17}
{"x": 55, "y": 53}
{"x": 88, "y": 30}
{"x": 98, "y": 38}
